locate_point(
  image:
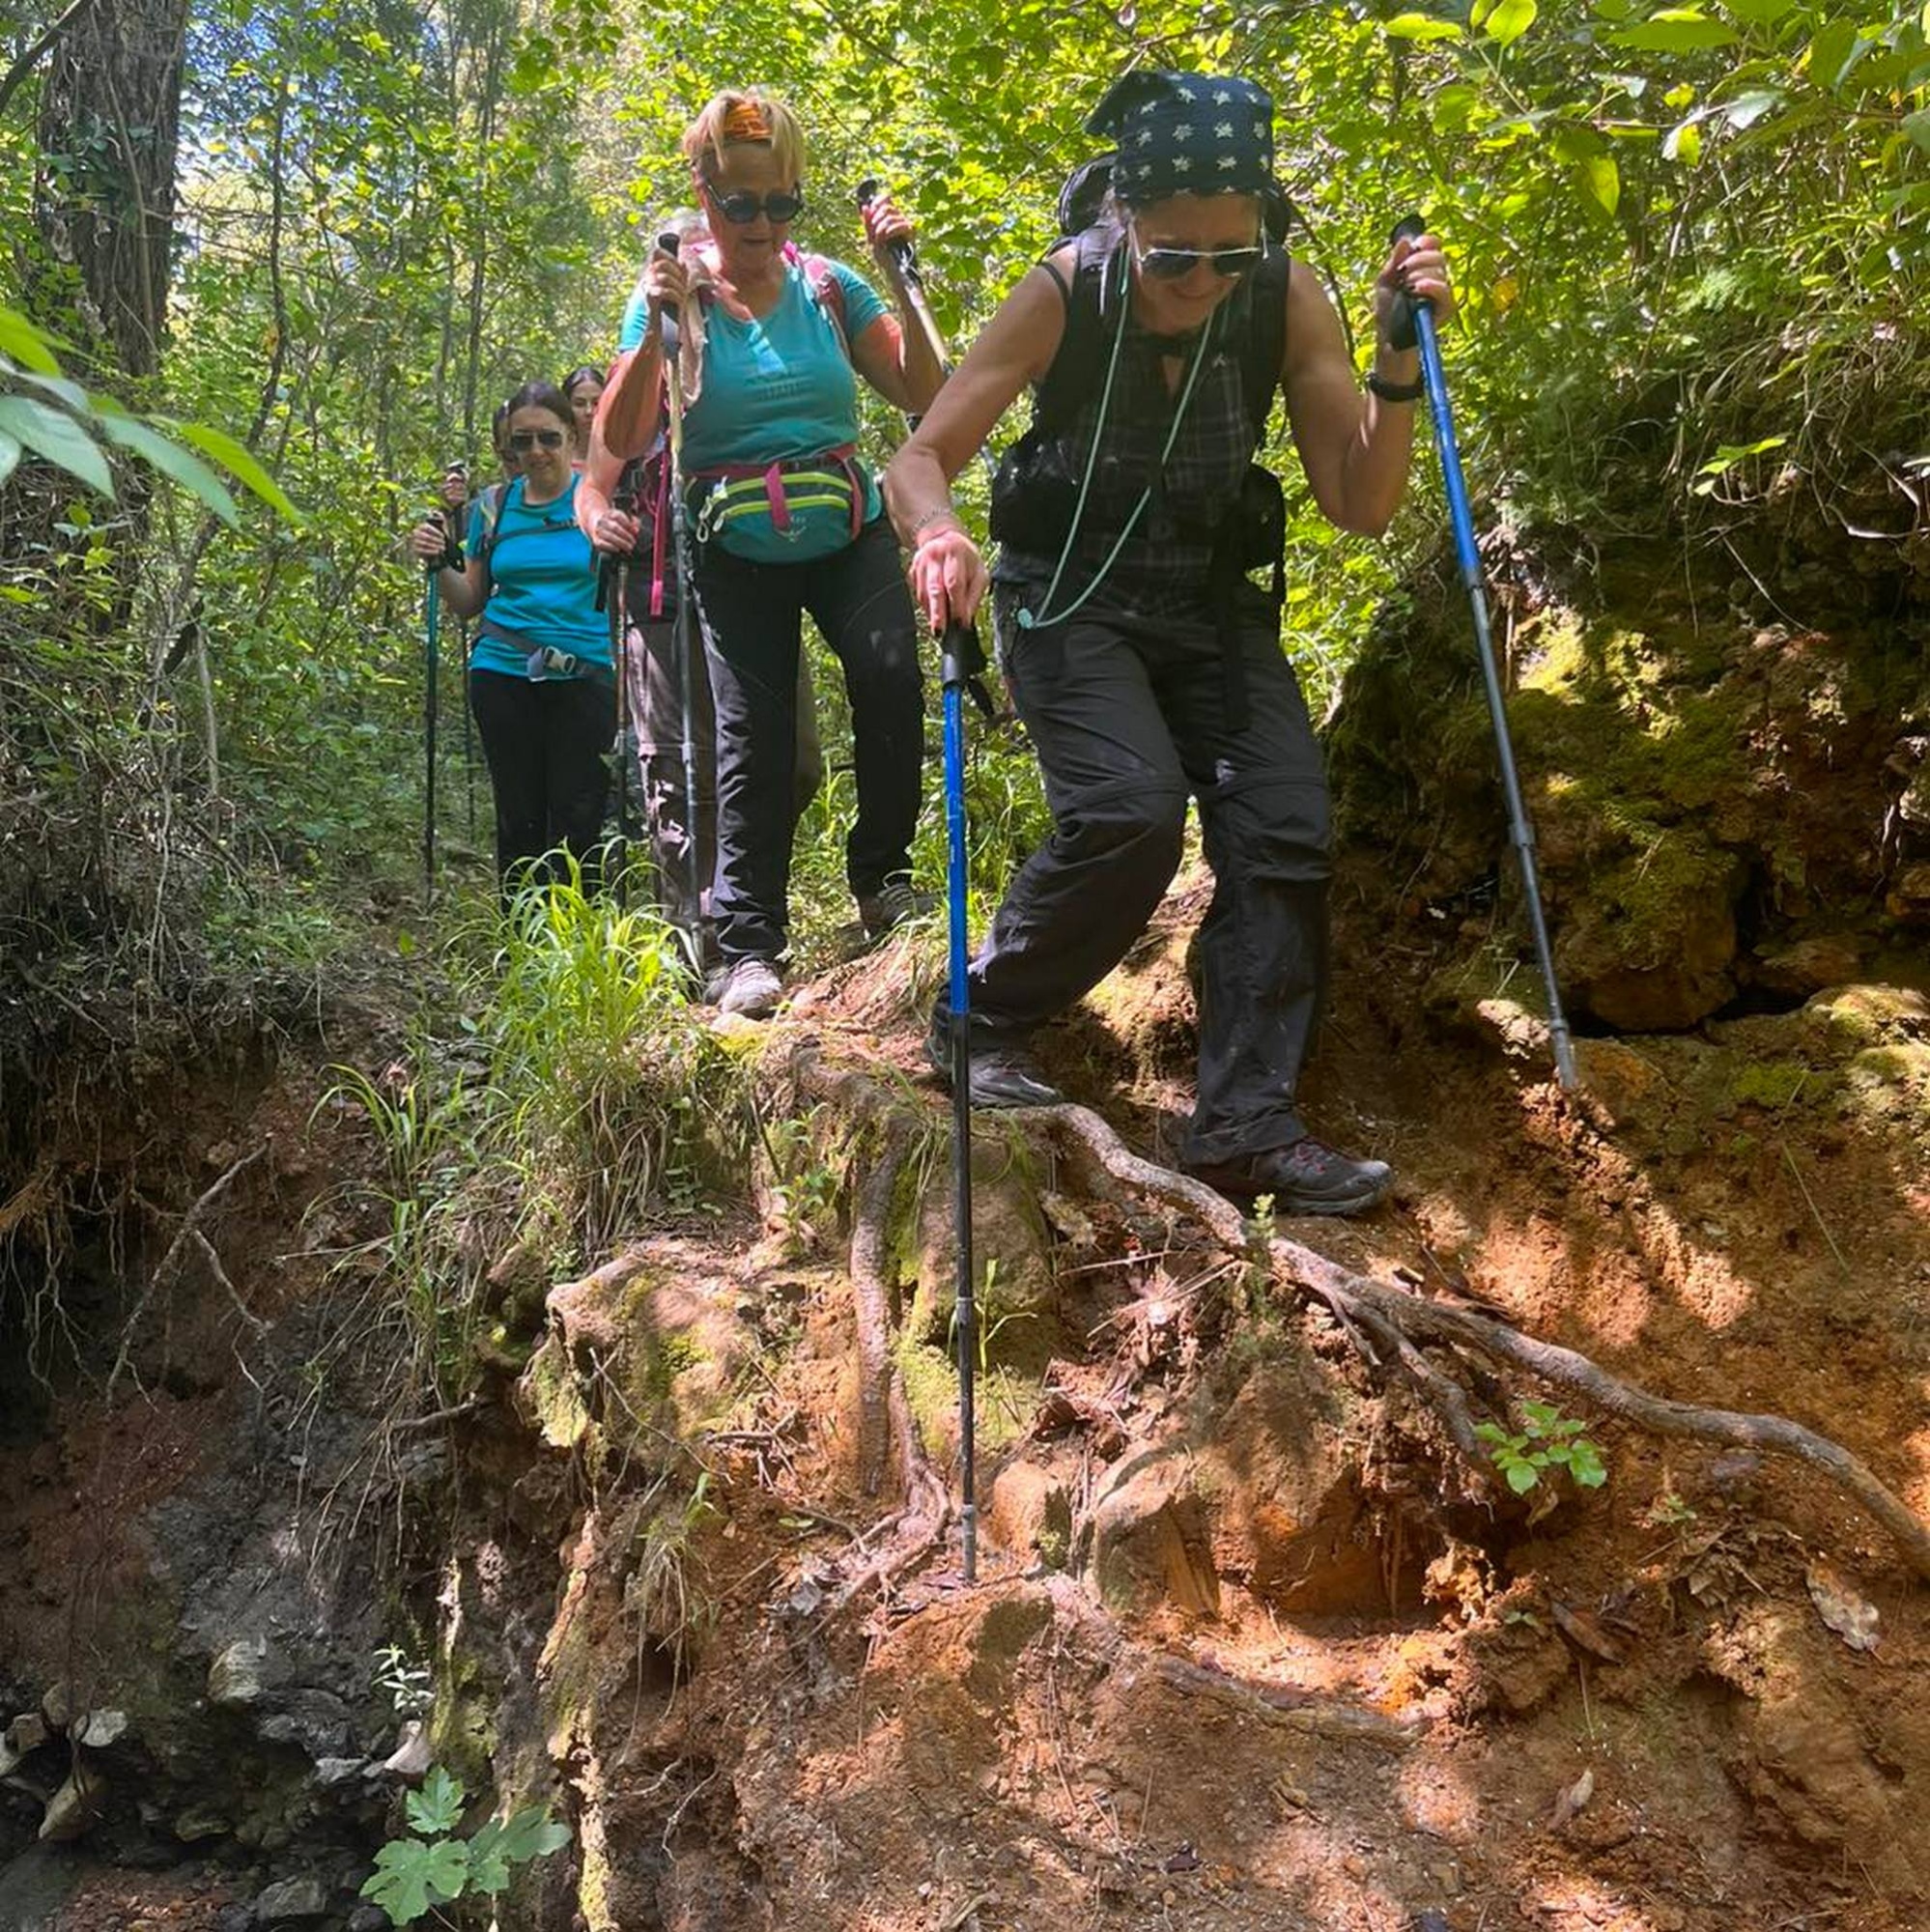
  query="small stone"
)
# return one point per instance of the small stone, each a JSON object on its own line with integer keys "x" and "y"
{"x": 72, "y": 1810}
{"x": 102, "y": 1728}
{"x": 292, "y": 1899}
{"x": 198, "y": 1823}
{"x": 333, "y": 1771}
{"x": 57, "y": 1706}
{"x": 368, "y": 1918}
{"x": 411, "y": 1757}
{"x": 238, "y": 1916}
{"x": 235, "y": 1677}
{"x": 27, "y": 1733}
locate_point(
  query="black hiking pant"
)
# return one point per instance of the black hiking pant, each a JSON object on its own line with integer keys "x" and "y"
{"x": 657, "y": 721}
{"x": 1130, "y": 716}
{"x": 545, "y": 742}
{"x": 752, "y": 617}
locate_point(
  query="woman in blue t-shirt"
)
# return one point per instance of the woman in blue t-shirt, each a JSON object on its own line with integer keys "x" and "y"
{"x": 787, "y": 520}
{"x": 541, "y": 681}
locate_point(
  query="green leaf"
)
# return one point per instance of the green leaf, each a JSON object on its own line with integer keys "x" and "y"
{"x": 1684, "y": 142}
{"x": 496, "y": 1850}
{"x": 1602, "y": 179}
{"x": 438, "y": 1805}
{"x": 1829, "y": 55}
{"x": 10, "y": 455}
{"x": 28, "y": 344}
{"x": 235, "y": 456}
{"x": 181, "y": 465}
{"x": 54, "y": 435}
{"x": 1521, "y": 1477}
{"x": 409, "y": 1876}
{"x": 1918, "y": 127}
{"x": 1585, "y": 1464}
{"x": 61, "y": 389}
{"x": 1746, "y": 109}
{"x": 1420, "y": 27}
{"x": 1510, "y": 20}
{"x": 1757, "y": 13}
{"x": 1675, "y": 30}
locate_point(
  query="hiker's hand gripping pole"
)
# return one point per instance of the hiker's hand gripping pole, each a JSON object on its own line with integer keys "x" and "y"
{"x": 1521, "y": 831}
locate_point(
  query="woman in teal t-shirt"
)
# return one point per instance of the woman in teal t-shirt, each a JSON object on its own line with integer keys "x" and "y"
{"x": 786, "y": 522}
{"x": 541, "y": 681}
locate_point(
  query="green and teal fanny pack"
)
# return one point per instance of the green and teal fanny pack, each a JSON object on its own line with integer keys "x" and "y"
{"x": 791, "y": 512}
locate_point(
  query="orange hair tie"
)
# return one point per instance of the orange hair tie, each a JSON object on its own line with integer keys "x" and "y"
{"x": 746, "y": 121}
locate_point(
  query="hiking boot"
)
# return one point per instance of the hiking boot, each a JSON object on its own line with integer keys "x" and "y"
{"x": 1004, "y": 1074}
{"x": 888, "y": 908}
{"x": 1306, "y": 1177}
{"x": 749, "y": 988}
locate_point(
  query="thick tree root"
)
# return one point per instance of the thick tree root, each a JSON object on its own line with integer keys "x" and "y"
{"x": 1400, "y": 1321}
{"x": 870, "y": 1292}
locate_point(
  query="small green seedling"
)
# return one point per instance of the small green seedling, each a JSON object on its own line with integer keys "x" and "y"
{"x": 416, "y": 1875}
{"x": 1548, "y": 1441}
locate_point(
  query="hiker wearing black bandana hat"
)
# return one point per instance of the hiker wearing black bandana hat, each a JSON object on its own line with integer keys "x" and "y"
{"x": 1144, "y": 658}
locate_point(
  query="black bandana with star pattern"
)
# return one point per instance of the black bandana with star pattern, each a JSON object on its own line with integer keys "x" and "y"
{"x": 1186, "y": 134}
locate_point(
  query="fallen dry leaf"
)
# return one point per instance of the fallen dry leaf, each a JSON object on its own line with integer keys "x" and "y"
{"x": 1847, "y": 1612}
{"x": 1571, "y": 1799}
{"x": 1584, "y": 1628}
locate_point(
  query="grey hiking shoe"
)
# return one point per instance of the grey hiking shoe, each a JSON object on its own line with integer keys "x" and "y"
{"x": 890, "y": 905}
{"x": 1306, "y": 1177}
{"x": 749, "y": 988}
{"x": 1004, "y": 1074}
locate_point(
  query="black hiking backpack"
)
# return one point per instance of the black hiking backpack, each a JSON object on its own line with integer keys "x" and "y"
{"x": 1035, "y": 492}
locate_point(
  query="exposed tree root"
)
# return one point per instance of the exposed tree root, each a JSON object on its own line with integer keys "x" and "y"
{"x": 1400, "y": 1321}
{"x": 870, "y": 1293}
{"x": 1390, "y": 1326}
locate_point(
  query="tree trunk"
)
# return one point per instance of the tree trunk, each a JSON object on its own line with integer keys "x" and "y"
{"x": 103, "y": 199}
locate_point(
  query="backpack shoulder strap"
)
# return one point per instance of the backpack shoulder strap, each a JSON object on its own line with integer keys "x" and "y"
{"x": 490, "y": 504}
{"x": 1075, "y": 369}
{"x": 828, "y": 293}
{"x": 1266, "y": 337}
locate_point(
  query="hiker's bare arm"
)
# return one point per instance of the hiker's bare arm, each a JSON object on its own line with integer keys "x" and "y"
{"x": 626, "y": 413}
{"x": 1014, "y": 351}
{"x": 894, "y": 355}
{"x": 1354, "y": 446}
{"x": 607, "y": 528}
{"x": 897, "y": 362}
{"x": 462, "y": 591}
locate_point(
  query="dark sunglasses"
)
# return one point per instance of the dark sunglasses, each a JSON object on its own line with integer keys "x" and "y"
{"x": 1170, "y": 265}
{"x": 527, "y": 439}
{"x": 744, "y": 206}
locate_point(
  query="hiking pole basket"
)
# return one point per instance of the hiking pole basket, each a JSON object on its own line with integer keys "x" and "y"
{"x": 1521, "y": 831}
{"x": 961, "y": 662}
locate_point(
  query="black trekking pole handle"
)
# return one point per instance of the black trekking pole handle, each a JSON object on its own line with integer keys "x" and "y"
{"x": 901, "y": 250}
{"x": 1420, "y": 313}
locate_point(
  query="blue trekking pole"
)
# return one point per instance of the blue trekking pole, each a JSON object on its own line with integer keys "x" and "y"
{"x": 1521, "y": 831}
{"x": 960, "y": 663}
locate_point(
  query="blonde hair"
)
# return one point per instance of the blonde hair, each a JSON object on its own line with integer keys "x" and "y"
{"x": 725, "y": 120}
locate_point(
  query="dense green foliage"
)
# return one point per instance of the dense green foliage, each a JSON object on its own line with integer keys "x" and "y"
{"x": 1689, "y": 240}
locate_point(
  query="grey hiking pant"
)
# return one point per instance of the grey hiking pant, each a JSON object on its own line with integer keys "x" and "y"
{"x": 1130, "y": 718}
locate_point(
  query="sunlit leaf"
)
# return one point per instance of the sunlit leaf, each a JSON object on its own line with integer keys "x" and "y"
{"x": 27, "y": 344}
{"x": 1602, "y": 179}
{"x": 1676, "y": 30}
{"x": 180, "y": 464}
{"x": 1420, "y": 27}
{"x": 56, "y": 437}
{"x": 1746, "y": 109}
{"x": 236, "y": 456}
{"x": 1510, "y": 20}
{"x": 1684, "y": 142}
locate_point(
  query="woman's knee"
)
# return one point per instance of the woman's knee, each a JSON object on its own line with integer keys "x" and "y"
{"x": 1140, "y": 827}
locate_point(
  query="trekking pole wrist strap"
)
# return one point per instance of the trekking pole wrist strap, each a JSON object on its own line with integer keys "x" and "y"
{"x": 1395, "y": 392}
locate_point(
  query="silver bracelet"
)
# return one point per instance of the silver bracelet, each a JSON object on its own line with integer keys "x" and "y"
{"x": 931, "y": 517}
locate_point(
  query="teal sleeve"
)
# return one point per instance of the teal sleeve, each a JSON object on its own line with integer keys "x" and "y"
{"x": 636, "y": 316}
{"x": 863, "y": 303}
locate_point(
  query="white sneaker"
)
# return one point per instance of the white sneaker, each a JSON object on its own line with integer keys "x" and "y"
{"x": 749, "y": 988}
